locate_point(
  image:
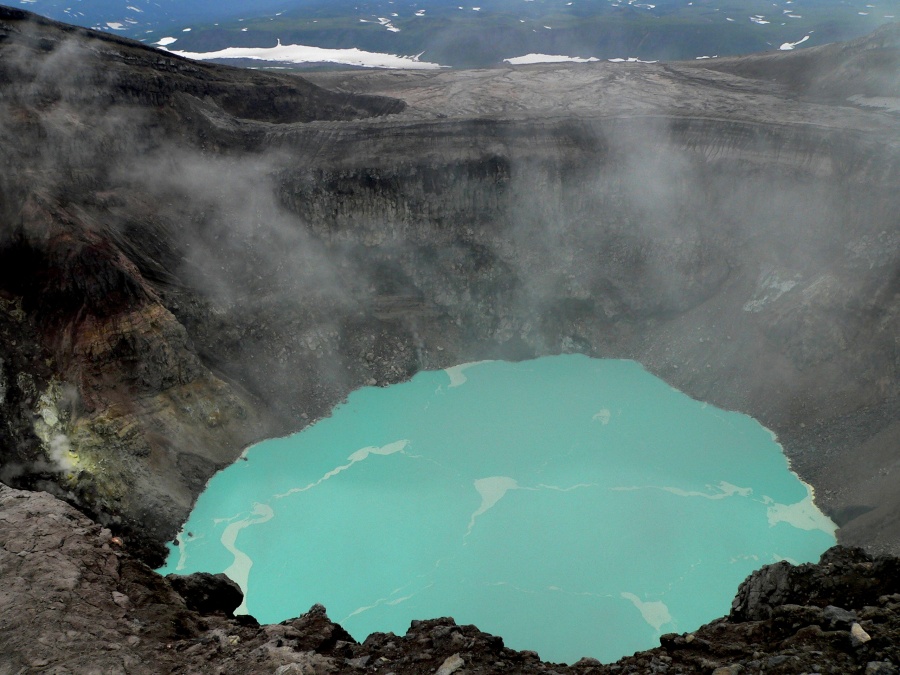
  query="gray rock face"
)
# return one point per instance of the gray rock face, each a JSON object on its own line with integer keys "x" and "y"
{"x": 842, "y": 577}
{"x": 68, "y": 597}
{"x": 838, "y": 617}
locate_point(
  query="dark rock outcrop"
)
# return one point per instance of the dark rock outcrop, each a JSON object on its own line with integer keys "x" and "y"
{"x": 207, "y": 593}
{"x": 844, "y": 577}
{"x": 315, "y": 632}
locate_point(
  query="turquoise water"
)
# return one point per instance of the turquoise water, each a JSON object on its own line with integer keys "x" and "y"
{"x": 575, "y": 506}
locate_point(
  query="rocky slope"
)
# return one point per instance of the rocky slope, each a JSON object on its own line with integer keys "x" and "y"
{"x": 76, "y": 602}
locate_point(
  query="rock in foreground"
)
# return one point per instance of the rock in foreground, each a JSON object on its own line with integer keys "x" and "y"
{"x": 75, "y": 601}
{"x": 208, "y": 593}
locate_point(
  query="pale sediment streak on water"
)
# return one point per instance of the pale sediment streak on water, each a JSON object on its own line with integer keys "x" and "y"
{"x": 239, "y": 570}
{"x": 492, "y": 490}
{"x": 456, "y": 375}
{"x": 542, "y": 486}
{"x": 655, "y": 612}
{"x": 390, "y": 600}
{"x": 603, "y": 417}
{"x": 803, "y": 515}
{"x": 358, "y": 456}
{"x": 725, "y": 490}
{"x": 182, "y": 552}
{"x": 380, "y": 601}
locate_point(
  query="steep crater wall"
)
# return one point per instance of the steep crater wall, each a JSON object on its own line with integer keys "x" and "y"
{"x": 751, "y": 265}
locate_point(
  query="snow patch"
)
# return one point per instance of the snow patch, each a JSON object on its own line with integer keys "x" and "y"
{"x": 787, "y": 46}
{"x": 769, "y": 288}
{"x": 630, "y": 59}
{"x": 306, "y": 54}
{"x": 548, "y": 58}
{"x": 387, "y": 24}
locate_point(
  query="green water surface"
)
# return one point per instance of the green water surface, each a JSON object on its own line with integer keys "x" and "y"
{"x": 575, "y": 506}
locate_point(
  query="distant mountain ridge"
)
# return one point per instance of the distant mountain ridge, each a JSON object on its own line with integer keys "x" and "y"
{"x": 868, "y": 66}
{"x": 483, "y": 34}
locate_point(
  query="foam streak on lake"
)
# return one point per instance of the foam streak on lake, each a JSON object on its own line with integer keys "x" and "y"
{"x": 575, "y": 506}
